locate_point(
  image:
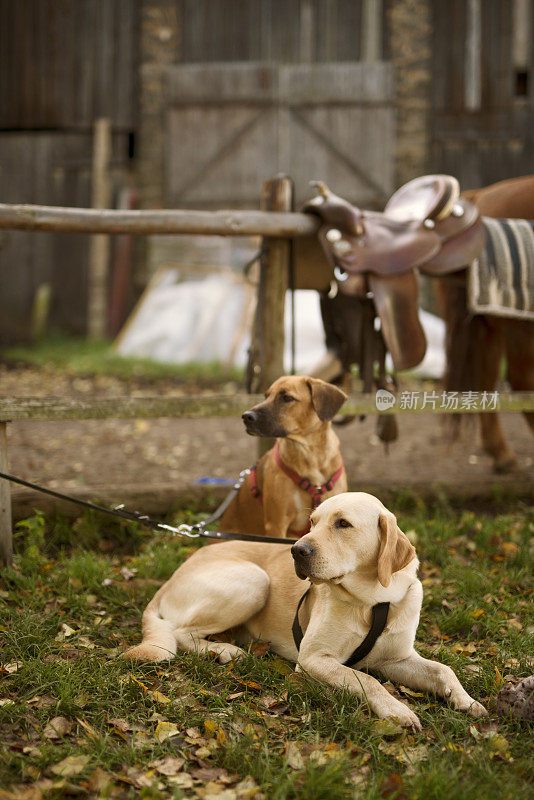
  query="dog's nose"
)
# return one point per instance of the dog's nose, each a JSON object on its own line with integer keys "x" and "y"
{"x": 248, "y": 417}
{"x": 302, "y": 551}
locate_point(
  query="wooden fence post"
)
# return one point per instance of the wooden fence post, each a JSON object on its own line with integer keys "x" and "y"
{"x": 6, "y": 533}
{"x": 97, "y": 303}
{"x": 266, "y": 357}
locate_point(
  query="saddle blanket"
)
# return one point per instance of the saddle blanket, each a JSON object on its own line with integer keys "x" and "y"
{"x": 501, "y": 280}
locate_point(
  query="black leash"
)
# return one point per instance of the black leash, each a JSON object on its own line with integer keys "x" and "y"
{"x": 378, "y": 623}
{"x": 191, "y": 531}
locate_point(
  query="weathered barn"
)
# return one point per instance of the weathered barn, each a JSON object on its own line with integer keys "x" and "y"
{"x": 207, "y": 98}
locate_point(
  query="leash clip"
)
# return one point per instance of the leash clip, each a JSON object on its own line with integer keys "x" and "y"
{"x": 181, "y": 530}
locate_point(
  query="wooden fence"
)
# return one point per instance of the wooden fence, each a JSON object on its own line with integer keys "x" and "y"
{"x": 278, "y": 225}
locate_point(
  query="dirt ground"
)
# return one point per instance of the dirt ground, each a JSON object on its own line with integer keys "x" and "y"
{"x": 165, "y": 458}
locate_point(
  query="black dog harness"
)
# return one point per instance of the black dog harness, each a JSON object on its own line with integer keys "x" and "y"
{"x": 378, "y": 623}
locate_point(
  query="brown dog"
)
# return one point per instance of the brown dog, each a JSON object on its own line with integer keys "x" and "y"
{"x": 302, "y": 469}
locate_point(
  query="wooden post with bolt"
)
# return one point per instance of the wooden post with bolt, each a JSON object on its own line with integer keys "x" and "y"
{"x": 6, "y": 531}
{"x": 266, "y": 358}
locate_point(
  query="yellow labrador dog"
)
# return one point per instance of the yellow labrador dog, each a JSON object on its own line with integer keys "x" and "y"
{"x": 355, "y": 557}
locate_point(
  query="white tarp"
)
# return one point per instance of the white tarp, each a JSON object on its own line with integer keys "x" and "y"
{"x": 209, "y": 320}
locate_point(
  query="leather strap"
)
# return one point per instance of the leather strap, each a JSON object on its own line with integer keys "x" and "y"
{"x": 378, "y": 623}
{"x": 298, "y": 636}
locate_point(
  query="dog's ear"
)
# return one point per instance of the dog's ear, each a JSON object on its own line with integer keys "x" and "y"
{"x": 396, "y": 550}
{"x": 326, "y": 398}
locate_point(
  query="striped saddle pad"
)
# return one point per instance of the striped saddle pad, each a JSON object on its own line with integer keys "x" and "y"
{"x": 501, "y": 280}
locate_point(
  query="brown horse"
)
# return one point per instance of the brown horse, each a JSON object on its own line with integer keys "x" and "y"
{"x": 476, "y": 345}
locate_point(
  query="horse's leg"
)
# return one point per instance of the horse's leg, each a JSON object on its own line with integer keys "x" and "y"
{"x": 519, "y": 339}
{"x": 491, "y": 354}
{"x": 474, "y": 349}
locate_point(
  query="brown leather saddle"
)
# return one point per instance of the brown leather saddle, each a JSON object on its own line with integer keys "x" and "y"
{"x": 425, "y": 225}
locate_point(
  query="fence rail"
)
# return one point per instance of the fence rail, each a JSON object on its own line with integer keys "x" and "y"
{"x": 54, "y": 408}
{"x": 208, "y": 223}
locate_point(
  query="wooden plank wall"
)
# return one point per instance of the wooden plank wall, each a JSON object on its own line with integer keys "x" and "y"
{"x": 287, "y": 31}
{"x": 50, "y": 168}
{"x": 63, "y": 63}
{"x": 494, "y": 141}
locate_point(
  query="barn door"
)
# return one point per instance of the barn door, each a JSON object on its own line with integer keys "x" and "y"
{"x": 233, "y": 125}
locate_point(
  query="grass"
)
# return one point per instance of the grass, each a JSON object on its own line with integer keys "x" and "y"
{"x": 82, "y": 357}
{"x": 75, "y": 595}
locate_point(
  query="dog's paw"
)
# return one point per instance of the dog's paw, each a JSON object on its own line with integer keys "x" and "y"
{"x": 226, "y": 652}
{"x": 397, "y": 711}
{"x": 476, "y": 709}
{"x": 147, "y": 652}
{"x": 466, "y": 703}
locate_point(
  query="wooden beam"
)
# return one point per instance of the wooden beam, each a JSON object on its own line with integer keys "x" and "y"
{"x": 6, "y": 523}
{"x": 54, "y": 408}
{"x": 207, "y": 223}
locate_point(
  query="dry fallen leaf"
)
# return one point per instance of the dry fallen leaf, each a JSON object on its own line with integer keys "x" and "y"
{"x": 72, "y": 765}
{"x": 181, "y": 781}
{"x": 387, "y": 728}
{"x": 410, "y": 692}
{"x": 293, "y": 756}
{"x": 215, "y": 791}
{"x": 136, "y": 777}
{"x": 392, "y": 785}
{"x": 13, "y": 666}
{"x": 406, "y": 755}
{"x": 509, "y": 549}
{"x": 499, "y": 746}
{"x": 98, "y": 781}
{"x": 57, "y": 727}
{"x": 164, "y": 730}
{"x": 89, "y": 730}
{"x": 21, "y": 792}
{"x": 169, "y": 765}
{"x": 247, "y": 788}
{"x": 213, "y": 774}
{"x": 214, "y": 731}
{"x": 465, "y": 649}
{"x": 64, "y": 633}
{"x": 514, "y": 623}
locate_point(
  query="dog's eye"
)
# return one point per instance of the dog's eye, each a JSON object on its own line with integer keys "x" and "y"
{"x": 342, "y": 523}
{"x": 286, "y": 398}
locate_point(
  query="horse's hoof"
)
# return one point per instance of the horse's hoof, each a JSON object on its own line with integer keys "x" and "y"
{"x": 505, "y": 464}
